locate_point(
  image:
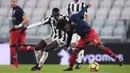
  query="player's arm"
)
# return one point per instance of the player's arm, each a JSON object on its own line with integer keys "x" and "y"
{"x": 42, "y": 22}
{"x": 24, "y": 17}
{"x": 86, "y": 17}
{"x": 25, "y": 20}
{"x": 86, "y": 14}
{"x": 67, "y": 24}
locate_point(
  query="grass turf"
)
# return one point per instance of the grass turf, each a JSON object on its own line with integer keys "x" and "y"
{"x": 51, "y": 68}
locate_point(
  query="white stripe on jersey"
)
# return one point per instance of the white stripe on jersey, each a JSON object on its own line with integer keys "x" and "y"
{"x": 75, "y": 7}
{"x": 55, "y": 32}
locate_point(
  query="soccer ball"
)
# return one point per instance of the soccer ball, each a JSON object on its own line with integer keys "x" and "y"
{"x": 94, "y": 67}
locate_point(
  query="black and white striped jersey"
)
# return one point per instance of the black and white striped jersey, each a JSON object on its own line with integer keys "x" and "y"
{"x": 57, "y": 27}
{"x": 75, "y": 7}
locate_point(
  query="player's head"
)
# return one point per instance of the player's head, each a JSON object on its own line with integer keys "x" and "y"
{"x": 76, "y": 1}
{"x": 56, "y": 13}
{"x": 13, "y": 3}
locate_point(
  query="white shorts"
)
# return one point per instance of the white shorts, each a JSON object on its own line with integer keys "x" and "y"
{"x": 75, "y": 38}
{"x": 48, "y": 39}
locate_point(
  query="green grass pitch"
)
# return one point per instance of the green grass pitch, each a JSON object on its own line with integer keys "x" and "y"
{"x": 55, "y": 68}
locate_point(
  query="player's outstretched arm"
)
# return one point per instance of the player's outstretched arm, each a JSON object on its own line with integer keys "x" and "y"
{"x": 81, "y": 13}
{"x": 36, "y": 24}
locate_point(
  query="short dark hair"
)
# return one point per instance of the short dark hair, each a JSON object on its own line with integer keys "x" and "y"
{"x": 55, "y": 9}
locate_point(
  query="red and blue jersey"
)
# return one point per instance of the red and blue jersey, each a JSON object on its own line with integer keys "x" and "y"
{"x": 81, "y": 26}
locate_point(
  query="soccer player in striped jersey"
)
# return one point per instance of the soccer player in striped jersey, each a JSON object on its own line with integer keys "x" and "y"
{"x": 52, "y": 42}
{"x": 88, "y": 35}
{"x": 75, "y": 7}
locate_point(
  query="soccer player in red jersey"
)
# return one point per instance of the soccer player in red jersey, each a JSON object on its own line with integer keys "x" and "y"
{"x": 88, "y": 35}
{"x": 19, "y": 19}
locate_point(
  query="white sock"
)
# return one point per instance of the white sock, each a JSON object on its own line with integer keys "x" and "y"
{"x": 37, "y": 55}
{"x": 80, "y": 56}
{"x": 43, "y": 58}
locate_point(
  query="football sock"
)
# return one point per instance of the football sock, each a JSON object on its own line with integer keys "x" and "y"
{"x": 80, "y": 56}
{"x": 37, "y": 55}
{"x": 43, "y": 58}
{"x": 110, "y": 53}
{"x": 14, "y": 55}
{"x": 72, "y": 60}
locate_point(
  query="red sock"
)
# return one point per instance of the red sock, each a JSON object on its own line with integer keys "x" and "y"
{"x": 14, "y": 55}
{"x": 72, "y": 61}
{"x": 26, "y": 49}
{"x": 110, "y": 53}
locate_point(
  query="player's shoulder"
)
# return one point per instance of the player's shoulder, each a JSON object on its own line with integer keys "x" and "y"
{"x": 64, "y": 17}
{"x": 19, "y": 8}
{"x": 47, "y": 18}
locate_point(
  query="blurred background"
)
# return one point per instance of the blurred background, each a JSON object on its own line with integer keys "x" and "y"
{"x": 110, "y": 19}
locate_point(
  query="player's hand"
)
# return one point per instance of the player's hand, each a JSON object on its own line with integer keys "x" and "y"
{"x": 89, "y": 4}
{"x": 23, "y": 29}
{"x": 16, "y": 26}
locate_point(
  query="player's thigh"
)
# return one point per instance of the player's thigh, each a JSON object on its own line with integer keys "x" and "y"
{"x": 94, "y": 38}
{"x": 22, "y": 39}
{"x": 14, "y": 37}
{"x": 82, "y": 43}
{"x": 48, "y": 39}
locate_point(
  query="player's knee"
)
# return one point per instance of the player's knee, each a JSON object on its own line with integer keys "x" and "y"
{"x": 100, "y": 46}
{"x": 52, "y": 46}
{"x": 37, "y": 48}
{"x": 13, "y": 45}
{"x": 76, "y": 51}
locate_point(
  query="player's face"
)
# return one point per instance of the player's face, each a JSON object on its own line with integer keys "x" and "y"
{"x": 13, "y": 3}
{"x": 56, "y": 15}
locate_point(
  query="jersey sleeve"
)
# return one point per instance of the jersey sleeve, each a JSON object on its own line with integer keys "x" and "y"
{"x": 20, "y": 13}
{"x": 42, "y": 22}
{"x": 83, "y": 6}
{"x": 46, "y": 20}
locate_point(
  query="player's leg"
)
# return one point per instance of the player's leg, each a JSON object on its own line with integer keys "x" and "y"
{"x": 41, "y": 46}
{"x": 45, "y": 54}
{"x": 80, "y": 59}
{"x": 48, "y": 49}
{"x": 96, "y": 41}
{"x": 80, "y": 45}
{"x": 37, "y": 51}
{"x": 80, "y": 55}
{"x": 22, "y": 41}
{"x": 110, "y": 53}
{"x": 14, "y": 38}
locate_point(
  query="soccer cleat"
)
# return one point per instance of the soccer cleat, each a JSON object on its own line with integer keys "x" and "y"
{"x": 36, "y": 68}
{"x": 120, "y": 62}
{"x": 14, "y": 66}
{"x": 78, "y": 66}
{"x": 68, "y": 69}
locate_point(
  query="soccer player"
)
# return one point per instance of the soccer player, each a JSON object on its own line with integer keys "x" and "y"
{"x": 73, "y": 8}
{"x": 52, "y": 42}
{"x": 87, "y": 34}
{"x": 19, "y": 19}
